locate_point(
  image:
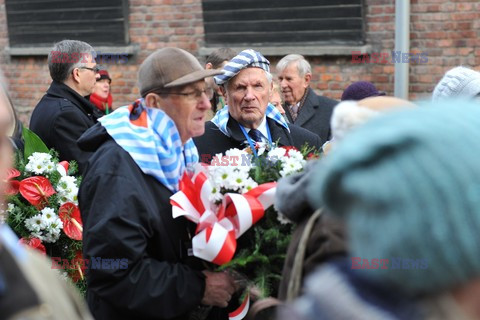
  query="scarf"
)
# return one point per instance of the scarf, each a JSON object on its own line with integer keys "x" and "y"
{"x": 222, "y": 116}
{"x": 103, "y": 104}
{"x": 151, "y": 138}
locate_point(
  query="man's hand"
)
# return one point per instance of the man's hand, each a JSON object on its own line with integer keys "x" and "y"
{"x": 219, "y": 289}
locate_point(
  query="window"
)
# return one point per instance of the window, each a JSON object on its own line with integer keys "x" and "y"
{"x": 37, "y": 23}
{"x": 283, "y": 22}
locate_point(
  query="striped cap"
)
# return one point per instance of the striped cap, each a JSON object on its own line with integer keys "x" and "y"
{"x": 246, "y": 58}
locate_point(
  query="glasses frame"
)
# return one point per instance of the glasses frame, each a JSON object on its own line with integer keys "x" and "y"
{"x": 94, "y": 69}
{"x": 197, "y": 94}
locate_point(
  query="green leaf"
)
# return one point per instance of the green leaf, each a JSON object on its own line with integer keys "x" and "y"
{"x": 32, "y": 143}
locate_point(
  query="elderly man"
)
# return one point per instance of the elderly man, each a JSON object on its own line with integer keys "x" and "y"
{"x": 141, "y": 152}
{"x": 302, "y": 105}
{"x": 63, "y": 114}
{"x": 248, "y": 115}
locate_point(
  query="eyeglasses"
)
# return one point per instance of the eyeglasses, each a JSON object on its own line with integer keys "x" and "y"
{"x": 196, "y": 94}
{"x": 94, "y": 69}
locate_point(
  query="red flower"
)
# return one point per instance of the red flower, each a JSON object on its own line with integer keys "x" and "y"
{"x": 33, "y": 243}
{"x": 78, "y": 264}
{"x": 72, "y": 221}
{"x": 288, "y": 148}
{"x": 312, "y": 156}
{"x": 36, "y": 190}
{"x": 12, "y": 185}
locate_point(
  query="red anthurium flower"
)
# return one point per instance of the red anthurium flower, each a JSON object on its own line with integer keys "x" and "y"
{"x": 33, "y": 243}
{"x": 36, "y": 190}
{"x": 72, "y": 221}
{"x": 12, "y": 185}
{"x": 79, "y": 265}
{"x": 312, "y": 156}
{"x": 288, "y": 148}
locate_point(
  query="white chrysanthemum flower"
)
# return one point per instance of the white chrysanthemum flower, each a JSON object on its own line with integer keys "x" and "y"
{"x": 10, "y": 207}
{"x": 48, "y": 215}
{"x": 38, "y": 234}
{"x": 237, "y": 180}
{"x": 35, "y": 223}
{"x": 53, "y": 230}
{"x": 277, "y": 153}
{"x": 40, "y": 163}
{"x": 290, "y": 166}
{"x": 215, "y": 195}
{"x": 249, "y": 185}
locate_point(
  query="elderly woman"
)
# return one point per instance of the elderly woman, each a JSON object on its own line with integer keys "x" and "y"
{"x": 101, "y": 96}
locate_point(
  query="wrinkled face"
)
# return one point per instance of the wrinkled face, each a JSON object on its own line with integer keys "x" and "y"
{"x": 247, "y": 95}
{"x": 102, "y": 88}
{"x": 292, "y": 84}
{"x": 87, "y": 78}
{"x": 188, "y": 111}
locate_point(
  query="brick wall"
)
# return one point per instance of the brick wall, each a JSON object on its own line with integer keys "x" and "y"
{"x": 448, "y": 31}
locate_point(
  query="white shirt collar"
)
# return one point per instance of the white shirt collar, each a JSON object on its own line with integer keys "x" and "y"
{"x": 262, "y": 128}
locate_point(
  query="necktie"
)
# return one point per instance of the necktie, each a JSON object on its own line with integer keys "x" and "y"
{"x": 294, "y": 111}
{"x": 255, "y": 135}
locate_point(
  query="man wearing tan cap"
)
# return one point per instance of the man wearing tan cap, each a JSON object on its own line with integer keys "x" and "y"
{"x": 141, "y": 265}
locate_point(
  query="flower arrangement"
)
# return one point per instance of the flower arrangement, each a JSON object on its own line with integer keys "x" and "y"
{"x": 42, "y": 206}
{"x": 259, "y": 251}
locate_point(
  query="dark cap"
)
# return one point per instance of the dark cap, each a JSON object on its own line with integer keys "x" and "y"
{"x": 170, "y": 67}
{"x": 361, "y": 90}
{"x": 104, "y": 75}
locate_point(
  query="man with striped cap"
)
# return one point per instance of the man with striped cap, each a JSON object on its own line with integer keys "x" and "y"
{"x": 141, "y": 262}
{"x": 248, "y": 116}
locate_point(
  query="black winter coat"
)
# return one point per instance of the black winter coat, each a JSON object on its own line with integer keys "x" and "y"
{"x": 127, "y": 215}
{"x": 60, "y": 118}
{"x": 213, "y": 141}
{"x": 315, "y": 115}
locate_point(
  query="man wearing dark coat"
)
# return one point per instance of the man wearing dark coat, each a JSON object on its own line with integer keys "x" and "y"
{"x": 303, "y": 106}
{"x": 248, "y": 116}
{"x": 141, "y": 261}
{"x": 63, "y": 114}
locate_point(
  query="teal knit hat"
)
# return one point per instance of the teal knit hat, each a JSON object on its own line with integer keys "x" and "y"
{"x": 408, "y": 185}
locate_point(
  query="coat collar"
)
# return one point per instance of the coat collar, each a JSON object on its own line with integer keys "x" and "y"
{"x": 278, "y": 132}
{"x": 61, "y": 90}
{"x": 308, "y": 109}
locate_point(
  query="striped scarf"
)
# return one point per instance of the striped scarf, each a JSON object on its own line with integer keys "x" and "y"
{"x": 153, "y": 141}
{"x": 222, "y": 116}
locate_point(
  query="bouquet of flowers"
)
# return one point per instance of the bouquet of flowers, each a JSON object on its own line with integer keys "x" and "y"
{"x": 227, "y": 198}
{"x": 42, "y": 207}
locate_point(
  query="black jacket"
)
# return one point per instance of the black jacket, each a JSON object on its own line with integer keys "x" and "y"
{"x": 315, "y": 115}
{"x": 213, "y": 141}
{"x": 127, "y": 215}
{"x": 60, "y": 118}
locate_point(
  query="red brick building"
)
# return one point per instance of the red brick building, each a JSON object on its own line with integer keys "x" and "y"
{"x": 447, "y": 31}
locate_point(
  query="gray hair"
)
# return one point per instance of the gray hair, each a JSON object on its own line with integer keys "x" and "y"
{"x": 303, "y": 67}
{"x": 67, "y": 55}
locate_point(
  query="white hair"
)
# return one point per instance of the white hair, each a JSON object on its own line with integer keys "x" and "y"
{"x": 303, "y": 67}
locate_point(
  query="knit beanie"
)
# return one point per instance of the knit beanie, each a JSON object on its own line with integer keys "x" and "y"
{"x": 458, "y": 82}
{"x": 408, "y": 185}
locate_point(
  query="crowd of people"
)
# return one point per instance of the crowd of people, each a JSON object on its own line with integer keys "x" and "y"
{"x": 385, "y": 220}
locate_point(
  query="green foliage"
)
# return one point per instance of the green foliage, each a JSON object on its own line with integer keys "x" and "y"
{"x": 64, "y": 247}
{"x": 32, "y": 144}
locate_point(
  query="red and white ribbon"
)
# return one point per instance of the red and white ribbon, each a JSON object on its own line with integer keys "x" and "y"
{"x": 218, "y": 229}
{"x": 241, "y": 311}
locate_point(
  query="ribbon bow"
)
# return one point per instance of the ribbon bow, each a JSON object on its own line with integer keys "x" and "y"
{"x": 217, "y": 231}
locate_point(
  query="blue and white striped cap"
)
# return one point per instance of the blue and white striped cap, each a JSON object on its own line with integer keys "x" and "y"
{"x": 246, "y": 58}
